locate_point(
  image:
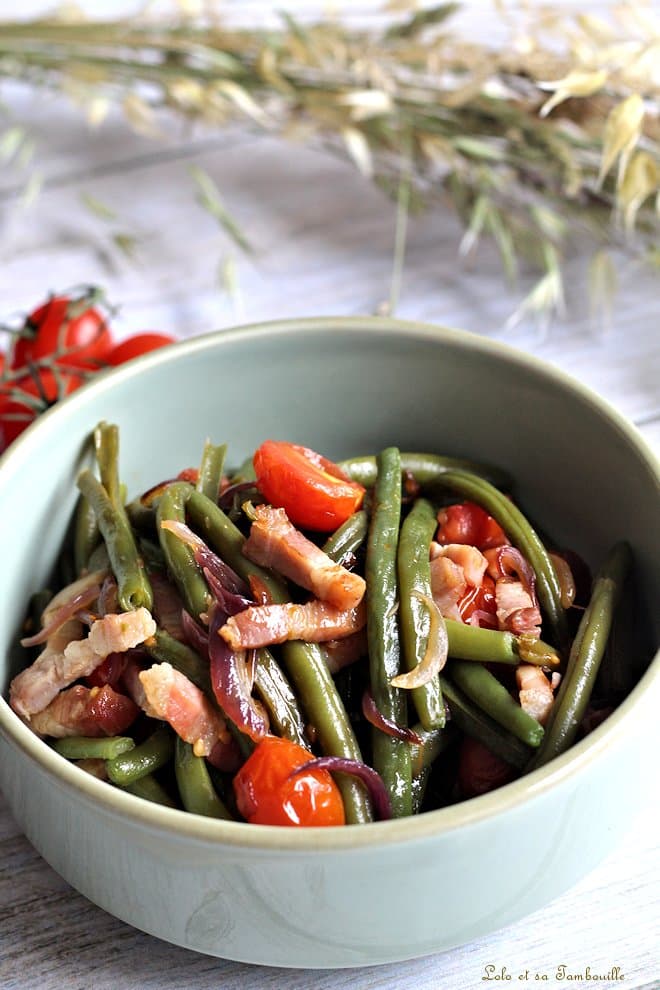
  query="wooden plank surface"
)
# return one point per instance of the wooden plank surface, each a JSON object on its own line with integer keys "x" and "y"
{"x": 323, "y": 245}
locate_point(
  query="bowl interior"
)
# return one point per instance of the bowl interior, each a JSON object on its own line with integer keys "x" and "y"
{"x": 343, "y": 387}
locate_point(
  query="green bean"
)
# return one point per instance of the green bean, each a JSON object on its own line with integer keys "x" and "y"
{"x": 197, "y": 793}
{"x": 523, "y": 536}
{"x": 106, "y": 446}
{"x": 210, "y": 470}
{"x": 586, "y": 655}
{"x": 391, "y": 756}
{"x": 325, "y": 711}
{"x": 133, "y": 585}
{"x": 179, "y": 556}
{"x": 220, "y": 533}
{"x": 476, "y": 723}
{"x": 414, "y": 574}
{"x": 88, "y": 748}
{"x": 487, "y": 692}
{"x": 281, "y": 703}
{"x": 425, "y": 468}
{"x": 86, "y": 534}
{"x": 150, "y": 755}
{"x": 348, "y": 538}
{"x": 149, "y": 789}
{"x": 493, "y": 646}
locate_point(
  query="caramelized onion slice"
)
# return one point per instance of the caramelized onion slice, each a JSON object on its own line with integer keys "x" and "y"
{"x": 376, "y": 718}
{"x": 436, "y": 650}
{"x": 566, "y": 580}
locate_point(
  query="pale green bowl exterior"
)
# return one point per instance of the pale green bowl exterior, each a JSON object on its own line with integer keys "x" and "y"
{"x": 374, "y": 893}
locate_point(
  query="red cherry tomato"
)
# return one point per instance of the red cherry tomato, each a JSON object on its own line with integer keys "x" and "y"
{"x": 479, "y": 770}
{"x": 315, "y": 493}
{"x": 135, "y": 346}
{"x": 481, "y": 599}
{"x": 22, "y": 400}
{"x": 76, "y": 335}
{"x": 267, "y": 794}
{"x": 467, "y": 522}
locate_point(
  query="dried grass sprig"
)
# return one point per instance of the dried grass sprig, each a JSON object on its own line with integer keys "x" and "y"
{"x": 556, "y": 133}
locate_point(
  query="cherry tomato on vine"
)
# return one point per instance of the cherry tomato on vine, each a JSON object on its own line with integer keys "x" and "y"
{"x": 268, "y": 793}
{"x": 25, "y": 398}
{"x": 467, "y": 522}
{"x": 135, "y": 346}
{"x": 314, "y": 492}
{"x": 74, "y": 334}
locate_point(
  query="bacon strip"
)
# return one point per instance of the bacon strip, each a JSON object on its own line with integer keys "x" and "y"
{"x": 534, "y": 692}
{"x": 172, "y": 697}
{"x": 314, "y": 622}
{"x": 275, "y": 542}
{"x": 67, "y": 658}
{"x": 83, "y": 711}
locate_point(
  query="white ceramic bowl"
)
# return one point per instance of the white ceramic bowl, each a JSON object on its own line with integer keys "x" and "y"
{"x": 370, "y": 893}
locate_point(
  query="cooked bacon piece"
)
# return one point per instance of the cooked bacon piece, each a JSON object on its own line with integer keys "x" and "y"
{"x": 534, "y": 692}
{"x": 471, "y": 560}
{"x": 516, "y": 611}
{"x": 448, "y": 585}
{"x": 82, "y": 711}
{"x": 172, "y": 697}
{"x": 315, "y": 622}
{"x": 455, "y": 569}
{"x": 275, "y": 542}
{"x": 67, "y": 658}
{"x": 515, "y": 596}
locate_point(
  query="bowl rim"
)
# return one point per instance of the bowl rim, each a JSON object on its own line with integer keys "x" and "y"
{"x": 185, "y": 825}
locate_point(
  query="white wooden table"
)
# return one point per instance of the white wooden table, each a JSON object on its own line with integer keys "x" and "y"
{"x": 324, "y": 246}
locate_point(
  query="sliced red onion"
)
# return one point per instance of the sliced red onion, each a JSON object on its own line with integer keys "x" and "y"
{"x": 376, "y": 718}
{"x": 566, "y": 580}
{"x": 230, "y": 602}
{"x": 196, "y": 635}
{"x": 372, "y": 780}
{"x": 231, "y": 683}
{"x": 437, "y": 649}
{"x": 62, "y": 614}
{"x": 229, "y": 494}
{"x": 206, "y": 558}
{"x": 512, "y": 564}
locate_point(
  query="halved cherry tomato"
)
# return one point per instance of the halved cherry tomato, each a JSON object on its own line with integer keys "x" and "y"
{"x": 74, "y": 334}
{"x": 135, "y": 346}
{"x": 479, "y": 770}
{"x": 314, "y": 492}
{"x": 22, "y": 400}
{"x": 268, "y": 794}
{"x": 467, "y": 522}
{"x": 481, "y": 599}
